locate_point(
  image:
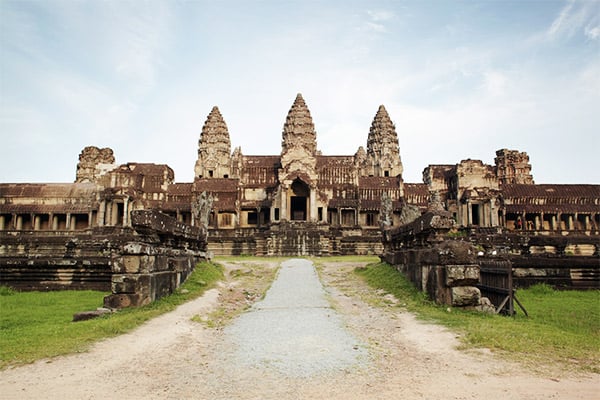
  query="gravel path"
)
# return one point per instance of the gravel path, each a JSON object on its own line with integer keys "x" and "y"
{"x": 294, "y": 330}
{"x": 338, "y": 340}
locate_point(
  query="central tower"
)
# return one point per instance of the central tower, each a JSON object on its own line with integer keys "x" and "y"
{"x": 297, "y": 175}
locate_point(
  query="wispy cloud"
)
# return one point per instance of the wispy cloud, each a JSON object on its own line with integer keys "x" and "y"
{"x": 377, "y": 19}
{"x": 576, "y": 18}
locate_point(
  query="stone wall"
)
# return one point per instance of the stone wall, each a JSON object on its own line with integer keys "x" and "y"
{"x": 445, "y": 262}
{"x": 445, "y": 269}
{"x": 156, "y": 261}
{"x": 138, "y": 264}
{"x": 563, "y": 261}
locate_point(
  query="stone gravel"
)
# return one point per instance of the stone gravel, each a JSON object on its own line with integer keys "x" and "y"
{"x": 294, "y": 330}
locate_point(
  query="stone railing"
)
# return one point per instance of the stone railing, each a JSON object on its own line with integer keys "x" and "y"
{"x": 156, "y": 260}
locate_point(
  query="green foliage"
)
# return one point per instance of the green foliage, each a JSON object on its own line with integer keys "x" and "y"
{"x": 457, "y": 234}
{"x": 541, "y": 289}
{"x": 36, "y": 325}
{"x": 6, "y": 291}
{"x": 563, "y": 327}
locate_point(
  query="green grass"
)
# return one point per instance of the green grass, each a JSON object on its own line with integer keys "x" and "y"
{"x": 36, "y": 325}
{"x": 563, "y": 326}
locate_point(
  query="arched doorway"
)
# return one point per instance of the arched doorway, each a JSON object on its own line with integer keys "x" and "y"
{"x": 300, "y": 193}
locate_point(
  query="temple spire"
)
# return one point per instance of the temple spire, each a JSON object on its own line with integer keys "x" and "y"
{"x": 299, "y": 130}
{"x": 214, "y": 148}
{"x": 383, "y": 151}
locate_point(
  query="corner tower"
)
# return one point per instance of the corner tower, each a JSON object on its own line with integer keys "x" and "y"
{"x": 383, "y": 151}
{"x": 512, "y": 166}
{"x": 214, "y": 148}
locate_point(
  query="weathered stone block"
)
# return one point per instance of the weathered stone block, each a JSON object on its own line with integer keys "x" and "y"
{"x": 462, "y": 275}
{"x": 131, "y": 264}
{"x": 465, "y": 296}
{"x": 122, "y": 300}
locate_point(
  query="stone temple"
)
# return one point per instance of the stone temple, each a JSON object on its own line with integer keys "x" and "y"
{"x": 301, "y": 202}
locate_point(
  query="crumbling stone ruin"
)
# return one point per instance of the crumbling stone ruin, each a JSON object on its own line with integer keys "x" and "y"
{"x": 299, "y": 202}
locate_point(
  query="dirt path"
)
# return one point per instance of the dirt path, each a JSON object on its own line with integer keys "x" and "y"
{"x": 175, "y": 357}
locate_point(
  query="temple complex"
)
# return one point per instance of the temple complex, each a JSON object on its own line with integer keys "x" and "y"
{"x": 300, "y": 202}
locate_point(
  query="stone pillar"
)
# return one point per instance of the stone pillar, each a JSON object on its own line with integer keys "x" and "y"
{"x": 19, "y": 224}
{"x": 283, "y": 214}
{"x": 553, "y": 223}
{"x": 588, "y": 226}
{"x": 54, "y": 222}
{"x": 126, "y": 212}
{"x": 2, "y": 222}
{"x": 570, "y": 223}
{"x": 114, "y": 213}
{"x": 73, "y": 222}
{"x": 36, "y": 222}
{"x": 469, "y": 214}
{"x": 102, "y": 213}
{"x": 313, "y": 206}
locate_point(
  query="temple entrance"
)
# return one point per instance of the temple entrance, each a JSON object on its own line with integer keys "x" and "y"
{"x": 299, "y": 200}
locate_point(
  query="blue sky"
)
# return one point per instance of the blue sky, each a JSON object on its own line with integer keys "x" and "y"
{"x": 459, "y": 79}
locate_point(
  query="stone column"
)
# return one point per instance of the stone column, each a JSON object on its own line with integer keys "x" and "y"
{"x": 19, "y": 224}
{"x": 102, "y": 213}
{"x": 570, "y": 222}
{"x": 469, "y": 214}
{"x": 36, "y": 222}
{"x": 2, "y": 222}
{"x": 54, "y": 222}
{"x": 283, "y": 214}
{"x": 126, "y": 212}
{"x": 313, "y": 206}
{"x": 115, "y": 213}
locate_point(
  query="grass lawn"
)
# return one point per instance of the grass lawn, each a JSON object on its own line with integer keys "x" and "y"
{"x": 36, "y": 325}
{"x": 563, "y": 326}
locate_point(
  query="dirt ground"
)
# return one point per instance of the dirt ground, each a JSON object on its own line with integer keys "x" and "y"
{"x": 183, "y": 355}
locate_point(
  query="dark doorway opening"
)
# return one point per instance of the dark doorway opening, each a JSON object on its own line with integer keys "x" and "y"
{"x": 475, "y": 214}
{"x": 298, "y": 201}
{"x": 298, "y": 208}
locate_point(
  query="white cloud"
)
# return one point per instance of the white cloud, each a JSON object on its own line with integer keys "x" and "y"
{"x": 592, "y": 33}
{"x": 380, "y": 15}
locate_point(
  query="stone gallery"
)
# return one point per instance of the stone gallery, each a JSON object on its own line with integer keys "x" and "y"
{"x": 299, "y": 202}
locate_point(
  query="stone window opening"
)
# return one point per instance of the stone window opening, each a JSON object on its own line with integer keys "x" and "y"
{"x": 80, "y": 221}
{"x": 332, "y": 216}
{"x": 225, "y": 220}
{"x": 348, "y": 217}
{"x": 6, "y": 222}
{"x": 252, "y": 218}
{"x": 386, "y": 173}
{"x": 371, "y": 219}
{"x": 320, "y": 213}
{"x": 276, "y": 214}
{"x": 210, "y": 173}
{"x": 225, "y": 176}
{"x": 264, "y": 216}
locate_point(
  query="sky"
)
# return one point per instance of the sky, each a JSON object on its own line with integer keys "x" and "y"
{"x": 460, "y": 79}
